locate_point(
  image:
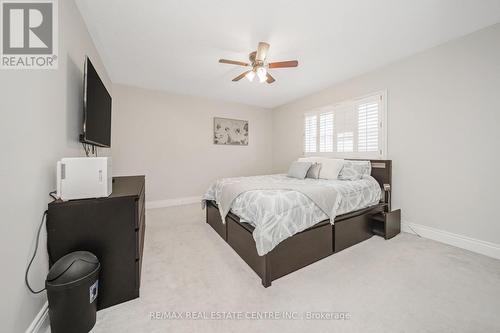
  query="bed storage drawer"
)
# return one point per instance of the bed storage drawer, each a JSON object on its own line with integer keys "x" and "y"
{"x": 301, "y": 250}
{"x": 215, "y": 220}
{"x": 351, "y": 231}
{"x": 290, "y": 255}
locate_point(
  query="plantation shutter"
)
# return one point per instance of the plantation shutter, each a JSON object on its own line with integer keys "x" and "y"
{"x": 351, "y": 129}
{"x": 326, "y": 132}
{"x": 368, "y": 125}
{"x": 346, "y": 126}
{"x": 310, "y": 133}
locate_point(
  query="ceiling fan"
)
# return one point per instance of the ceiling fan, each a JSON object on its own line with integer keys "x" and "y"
{"x": 259, "y": 65}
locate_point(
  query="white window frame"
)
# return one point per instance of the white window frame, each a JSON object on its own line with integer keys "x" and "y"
{"x": 383, "y": 124}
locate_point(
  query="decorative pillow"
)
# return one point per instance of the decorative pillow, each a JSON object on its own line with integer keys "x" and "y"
{"x": 299, "y": 169}
{"x": 330, "y": 167}
{"x": 354, "y": 170}
{"x": 314, "y": 171}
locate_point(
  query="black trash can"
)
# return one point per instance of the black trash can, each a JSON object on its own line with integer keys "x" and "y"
{"x": 72, "y": 285}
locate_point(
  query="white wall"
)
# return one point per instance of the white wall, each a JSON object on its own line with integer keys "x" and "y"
{"x": 443, "y": 135}
{"x": 169, "y": 138}
{"x": 41, "y": 114}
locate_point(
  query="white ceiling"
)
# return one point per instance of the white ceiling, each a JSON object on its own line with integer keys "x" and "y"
{"x": 174, "y": 45}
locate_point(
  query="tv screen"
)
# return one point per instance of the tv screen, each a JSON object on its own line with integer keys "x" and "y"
{"x": 96, "y": 108}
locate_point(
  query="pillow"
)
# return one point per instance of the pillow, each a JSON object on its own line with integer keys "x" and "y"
{"x": 330, "y": 167}
{"x": 354, "y": 170}
{"x": 313, "y": 159}
{"x": 314, "y": 171}
{"x": 299, "y": 169}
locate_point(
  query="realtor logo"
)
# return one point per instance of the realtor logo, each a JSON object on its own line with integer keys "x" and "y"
{"x": 29, "y": 34}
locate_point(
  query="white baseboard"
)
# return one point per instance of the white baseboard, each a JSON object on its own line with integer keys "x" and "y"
{"x": 475, "y": 245}
{"x": 172, "y": 202}
{"x": 41, "y": 322}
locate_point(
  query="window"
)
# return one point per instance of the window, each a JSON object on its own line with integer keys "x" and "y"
{"x": 310, "y": 134}
{"x": 368, "y": 126}
{"x": 345, "y": 142}
{"x": 326, "y": 132}
{"x": 354, "y": 128}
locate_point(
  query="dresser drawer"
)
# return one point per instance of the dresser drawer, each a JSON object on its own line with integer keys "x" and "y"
{"x": 138, "y": 268}
{"x": 139, "y": 236}
{"x": 140, "y": 208}
{"x": 112, "y": 228}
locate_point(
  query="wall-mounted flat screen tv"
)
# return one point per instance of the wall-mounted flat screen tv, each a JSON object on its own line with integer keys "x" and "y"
{"x": 96, "y": 109}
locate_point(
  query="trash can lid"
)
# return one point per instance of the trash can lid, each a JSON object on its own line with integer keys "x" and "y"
{"x": 72, "y": 267}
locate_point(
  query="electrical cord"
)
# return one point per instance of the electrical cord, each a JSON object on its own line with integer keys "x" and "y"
{"x": 44, "y": 216}
{"x": 34, "y": 255}
{"x": 85, "y": 148}
{"x": 90, "y": 149}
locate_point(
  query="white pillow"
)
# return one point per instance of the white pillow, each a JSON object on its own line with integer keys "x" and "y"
{"x": 312, "y": 159}
{"x": 330, "y": 167}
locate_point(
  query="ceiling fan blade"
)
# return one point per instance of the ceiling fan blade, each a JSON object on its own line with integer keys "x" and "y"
{"x": 242, "y": 75}
{"x": 284, "y": 64}
{"x": 270, "y": 78}
{"x": 262, "y": 51}
{"x": 233, "y": 62}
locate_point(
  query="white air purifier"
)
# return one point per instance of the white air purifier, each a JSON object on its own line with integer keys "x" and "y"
{"x": 84, "y": 177}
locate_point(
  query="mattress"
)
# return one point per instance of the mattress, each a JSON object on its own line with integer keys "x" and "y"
{"x": 279, "y": 214}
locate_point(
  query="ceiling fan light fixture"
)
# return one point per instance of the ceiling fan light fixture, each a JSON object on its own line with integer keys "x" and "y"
{"x": 250, "y": 75}
{"x": 262, "y": 74}
{"x": 259, "y": 65}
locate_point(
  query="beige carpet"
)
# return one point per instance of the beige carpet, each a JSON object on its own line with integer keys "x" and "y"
{"x": 407, "y": 284}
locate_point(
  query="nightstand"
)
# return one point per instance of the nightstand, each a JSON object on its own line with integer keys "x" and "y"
{"x": 387, "y": 224}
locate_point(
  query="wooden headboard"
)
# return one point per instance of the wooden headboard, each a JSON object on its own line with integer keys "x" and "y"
{"x": 382, "y": 171}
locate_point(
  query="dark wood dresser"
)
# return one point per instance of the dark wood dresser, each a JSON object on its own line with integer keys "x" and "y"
{"x": 112, "y": 228}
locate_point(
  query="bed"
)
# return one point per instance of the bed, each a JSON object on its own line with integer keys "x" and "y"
{"x": 316, "y": 242}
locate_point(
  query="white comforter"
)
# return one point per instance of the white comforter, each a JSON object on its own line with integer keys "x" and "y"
{"x": 279, "y": 214}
